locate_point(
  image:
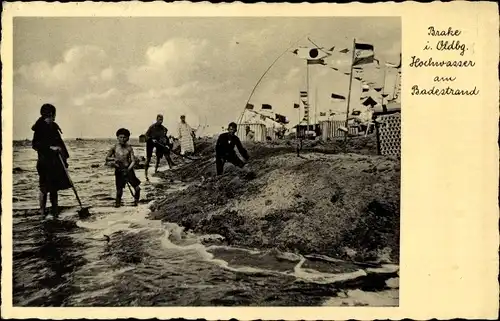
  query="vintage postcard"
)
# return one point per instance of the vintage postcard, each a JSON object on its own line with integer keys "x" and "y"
{"x": 250, "y": 161}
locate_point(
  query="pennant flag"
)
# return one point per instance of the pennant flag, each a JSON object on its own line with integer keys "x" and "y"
{"x": 344, "y": 50}
{"x": 303, "y": 94}
{"x": 267, "y": 106}
{"x": 365, "y": 54}
{"x": 296, "y": 106}
{"x": 358, "y": 68}
{"x": 385, "y": 95}
{"x": 335, "y": 68}
{"x": 304, "y": 102}
{"x": 310, "y": 53}
{"x": 370, "y": 102}
{"x": 322, "y": 114}
{"x": 332, "y": 113}
{"x": 378, "y": 89}
{"x": 339, "y": 97}
{"x": 249, "y": 106}
{"x": 365, "y": 89}
{"x": 358, "y": 78}
{"x": 347, "y": 73}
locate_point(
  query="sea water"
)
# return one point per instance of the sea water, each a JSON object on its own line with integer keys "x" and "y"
{"x": 119, "y": 257}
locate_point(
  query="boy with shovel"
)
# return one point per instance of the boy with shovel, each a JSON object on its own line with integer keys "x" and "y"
{"x": 52, "y": 159}
{"x": 122, "y": 156}
{"x": 156, "y": 138}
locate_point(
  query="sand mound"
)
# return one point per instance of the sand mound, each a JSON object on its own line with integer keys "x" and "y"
{"x": 342, "y": 205}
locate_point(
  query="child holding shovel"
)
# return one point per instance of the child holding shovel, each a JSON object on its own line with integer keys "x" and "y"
{"x": 122, "y": 156}
{"x": 52, "y": 159}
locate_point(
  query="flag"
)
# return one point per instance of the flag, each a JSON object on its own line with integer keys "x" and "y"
{"x": 365, "y": 54}
{"x": 310, "y": 53}
{"x": 339, "y": 97}
{"x": 249, "y": 106}
{"x": 303, "y": 94}
{"x": 304, "y": 101}
{"x": 316, "y": 62}
{"x": 281, "y": 119}
{"x": 369, "y": 102}
{"x": 296, "y": 106}
{"x": 267, "y": 106}
{"x": 322, "y": 114}
{"x": 358, "y": 78}
{"x": 397, "y": 66}
{"x": 344, "y": 50}
{"x": 378, "y": 89}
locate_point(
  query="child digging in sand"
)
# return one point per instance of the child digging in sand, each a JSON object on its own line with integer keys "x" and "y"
{"x": 122, "y": 156}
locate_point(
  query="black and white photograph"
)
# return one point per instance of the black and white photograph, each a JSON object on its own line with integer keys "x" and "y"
{"x": 206, "y": 161}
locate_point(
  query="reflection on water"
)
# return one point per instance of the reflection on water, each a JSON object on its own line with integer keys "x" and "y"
{"x": 120, "y": 258}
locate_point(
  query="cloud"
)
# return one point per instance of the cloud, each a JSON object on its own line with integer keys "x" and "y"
{"x": 169, "y": 64}
{"x": 82, "y": 68}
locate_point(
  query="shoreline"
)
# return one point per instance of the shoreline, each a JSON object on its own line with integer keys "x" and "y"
{"x": 274, "y": 205}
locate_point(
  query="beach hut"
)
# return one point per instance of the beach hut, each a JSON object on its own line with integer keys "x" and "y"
{"x": 331, "y": 129}
{"x": 258, "y": 129}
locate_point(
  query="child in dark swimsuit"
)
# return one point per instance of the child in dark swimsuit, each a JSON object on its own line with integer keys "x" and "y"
{"x": 122, "y": 156}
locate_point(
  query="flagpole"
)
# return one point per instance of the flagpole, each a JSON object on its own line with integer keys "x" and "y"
{"x": 298, "y": 121}
{"x": 350, "y": 86}
{"x": 315, "y": 106}
{"x": 308, "y": 100}
{"x": 383, "y": 85}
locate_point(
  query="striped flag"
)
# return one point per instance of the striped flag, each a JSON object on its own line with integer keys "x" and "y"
{"x": 316, "y": 62}
{"x": 365, "y": 54}
{"x": 303, "y": 94}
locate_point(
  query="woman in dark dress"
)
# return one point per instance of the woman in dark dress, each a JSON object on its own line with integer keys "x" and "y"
{"x": 48, "y": 143}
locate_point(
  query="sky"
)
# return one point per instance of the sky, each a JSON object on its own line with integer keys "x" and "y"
{"x": 106, "y": 73}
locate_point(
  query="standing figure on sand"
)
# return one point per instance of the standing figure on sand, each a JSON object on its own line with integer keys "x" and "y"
{"x": 123, "y": 159}
{"x": 52, "y": 159}
{"x": 224, "y": 149}
{"x": 156, "y": 138}
{"x": 186, "y": 137}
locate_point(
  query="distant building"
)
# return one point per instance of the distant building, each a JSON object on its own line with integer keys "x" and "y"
{"x": 142, "y": 138}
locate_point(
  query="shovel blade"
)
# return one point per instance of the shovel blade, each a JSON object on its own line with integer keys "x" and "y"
{"x": 84, "y": 213}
